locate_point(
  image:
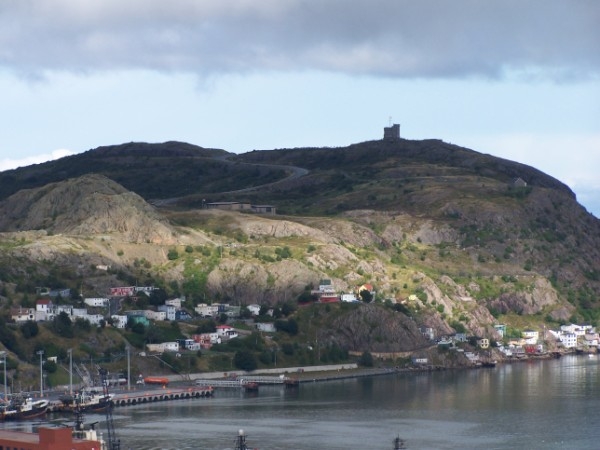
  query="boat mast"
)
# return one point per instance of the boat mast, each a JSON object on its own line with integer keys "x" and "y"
{"x": 113, "y": 442}
{"x": 240, "y": 442}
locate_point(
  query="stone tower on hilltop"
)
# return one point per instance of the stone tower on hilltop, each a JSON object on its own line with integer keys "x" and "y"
{"x": 391, "y": 133}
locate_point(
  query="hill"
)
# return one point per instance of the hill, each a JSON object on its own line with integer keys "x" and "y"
{"x": 444, "y": 234}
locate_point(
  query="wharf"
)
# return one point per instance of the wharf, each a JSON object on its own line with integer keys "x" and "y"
{"x": 137, "y": 397}
{"x": 247, "y": 382}
{"x": 158, "y": 395}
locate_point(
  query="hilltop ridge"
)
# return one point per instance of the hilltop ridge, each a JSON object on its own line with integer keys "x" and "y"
{"x": 444, "y": 235}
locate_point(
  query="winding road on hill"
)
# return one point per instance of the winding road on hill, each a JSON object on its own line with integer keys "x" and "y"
{"x": 294, "y": 173}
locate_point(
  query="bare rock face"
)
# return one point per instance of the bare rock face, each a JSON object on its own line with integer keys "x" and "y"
{"x": 369, "y": 328}
{"x": 540, "y": 296}
{"x": 89, "y": 205}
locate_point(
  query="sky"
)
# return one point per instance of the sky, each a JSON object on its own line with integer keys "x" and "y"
{"x": 516, "y": 79}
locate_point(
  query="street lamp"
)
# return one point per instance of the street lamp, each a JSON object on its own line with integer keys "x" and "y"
{"x": 128, "y": 368}
{"x": 41, "y": 352}
{"x": 70, "y": 351}
{"x": 3, "y": 354}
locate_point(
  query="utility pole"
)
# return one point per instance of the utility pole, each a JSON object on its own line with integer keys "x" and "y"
{"x": 41, "y": 352}
{"x": 128, "y": 368}
{"x": 70, "y": 351}
{"x": 3, "y": 353}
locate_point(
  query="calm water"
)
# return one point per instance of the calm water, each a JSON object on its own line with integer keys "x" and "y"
{"x": 531, "y": 405}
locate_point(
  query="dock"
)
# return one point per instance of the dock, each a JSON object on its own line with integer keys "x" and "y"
{"x": 247, "y": 382}
{"x": 145, "y": 396}
{"x": 161, "y": 395}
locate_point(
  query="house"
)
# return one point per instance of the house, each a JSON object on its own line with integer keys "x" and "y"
{"x": 568, "y": 340}
{"x": 254, "y": 309}
{"x": 428, "y": 332}
{"x": 168, "y": 310}
{"x": 182, "y": 315}
{"x": 20, "y": 314}
{"x": 483, "y": 343}
{"x": 420, "y": 360}
{"x": 188, "y": 344}
{"x": 591, "y": 339}
{"x": 229, "y": 206}
{"x": 263, "y": 209}
{"x": 53, "y": 293}
{"x": 123, "y": 291}
{"x": 134, "y": 319}
{"x": 204, "y": 310}
{"x": 579, "y": 330}
{"x": 176, "y": 302}
{"x": 67, "y": 309}
{"x": 155, "y": 315}
{"x": 206, "y": 340}
{"x": 96, "y": 302}
{"x": 43, "y": 305}
{"x": 171, "y": 346}
{"x": 225, "y": 331}
{"x": 144, "y": 290}
{"x": 349, "y": 298}
{"x": 163, "y": 347}
{"x": 267, "y": 327}
{"x": 460, "y": 337}
{"x": 501, "y": 330}
{"x": 119, "y": 321}
{"x": 531, "y": 337}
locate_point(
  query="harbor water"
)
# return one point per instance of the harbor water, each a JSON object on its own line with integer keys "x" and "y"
{"x": 548, "y": 404}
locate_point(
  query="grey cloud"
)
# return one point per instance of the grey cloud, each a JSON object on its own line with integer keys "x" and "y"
{"x": 394, "y": 38}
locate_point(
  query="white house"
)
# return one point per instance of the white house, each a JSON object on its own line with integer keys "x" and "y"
{"x": 93, "y": 319}
{"x": 579, "y": 330}
{"x": 171, "y": 346}
{"x": 176, "y": 302}
{"x": 67, "y": 309}
{"x": 267, "y": 327}
{"x": 97, "y": 302}
{"x": 79, "y": 312}
{"x": 22, "y": 314}
{"x": 531, "y": 336}
{"x": 169, "y": 311}
{"x": 591, "y": 340}
{"x": 350, "y": 298}
{"x": 119, "y": 321}
{"x": 163, "y": 347}
{"x": 205, "y": 310}
{"x": 226, "y": 331}
{"x": 568, "y": 340}
{"x": 155, "y": 315}
{"x": 254, "y": 309}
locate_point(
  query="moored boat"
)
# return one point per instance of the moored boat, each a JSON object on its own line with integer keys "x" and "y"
{"x": 24, "y": 407}
{"x": 88, "y": 400}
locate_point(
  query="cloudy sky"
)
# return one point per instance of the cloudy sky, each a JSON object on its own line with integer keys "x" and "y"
{"x": 517, "y": 79}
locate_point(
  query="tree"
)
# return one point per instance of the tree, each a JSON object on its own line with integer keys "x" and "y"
{"x": 30, "y": 329}
{"x": 62, "y": 325}
{"x": 245, "y": 360}
{"x": 366, "y": 296}
{"x": 366, "y": 359}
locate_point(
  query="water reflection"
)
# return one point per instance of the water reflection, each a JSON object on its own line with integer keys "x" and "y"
{"x": 544, "y": 404}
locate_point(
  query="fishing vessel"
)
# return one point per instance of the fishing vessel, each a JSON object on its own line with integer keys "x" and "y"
{"x": 23, "y": 407}
{"x": 88, "y": 400}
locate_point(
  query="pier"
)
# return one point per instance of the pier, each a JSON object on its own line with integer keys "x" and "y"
{"x": 137, "y": 397}
{"x": 156, "y": 395}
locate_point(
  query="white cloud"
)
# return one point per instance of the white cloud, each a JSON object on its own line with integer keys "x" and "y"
{"x": 554, "y": 39}
{"x": 10, "y": 163}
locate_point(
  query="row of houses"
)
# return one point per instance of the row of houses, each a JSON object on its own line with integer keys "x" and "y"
{"x": 196, "y": 342}
{"x": 326, "y": 293}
